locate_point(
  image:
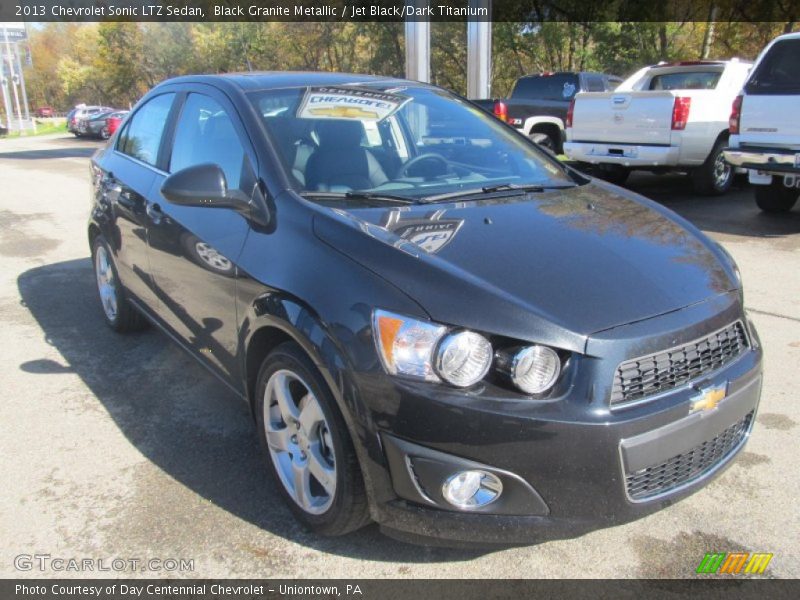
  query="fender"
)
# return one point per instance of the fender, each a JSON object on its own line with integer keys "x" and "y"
{"x": 297, "y": 321}
{"x": 531, "y": 122}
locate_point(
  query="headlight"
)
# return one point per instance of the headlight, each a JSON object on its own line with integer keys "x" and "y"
{"x": 411, "y": 347}
{"x": 533, "y": 369}
{"x": 464, "y": 358}
{"x": 406, "y": 345}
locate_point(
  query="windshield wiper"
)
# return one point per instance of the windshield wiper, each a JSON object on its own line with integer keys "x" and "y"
{"x": 500, "y": 187}
{"x": 376, "y": 196}
{"x": 380, "y": 196}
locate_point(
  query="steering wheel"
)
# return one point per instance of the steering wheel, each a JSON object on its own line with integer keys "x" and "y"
{"x": 431, "y": 159}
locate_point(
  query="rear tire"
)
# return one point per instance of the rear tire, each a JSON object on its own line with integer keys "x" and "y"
{"x": 715, "y": 176}
{"x": 296, "y": 451}
{"x": 776, "y": 198}
{"x": 545, "y": 141}
{"x": 119, "y": 314}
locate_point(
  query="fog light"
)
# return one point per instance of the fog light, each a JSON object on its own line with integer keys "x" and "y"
{"x": 472, "y": 489}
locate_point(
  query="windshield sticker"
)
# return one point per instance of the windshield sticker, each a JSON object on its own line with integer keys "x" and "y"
{"x": 569, "y": 90}
{"x": 349, "y": 103}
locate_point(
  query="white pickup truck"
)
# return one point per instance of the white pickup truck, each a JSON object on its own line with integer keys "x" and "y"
{"x": 664, "y": 117}
{"x": 765, "y": 125}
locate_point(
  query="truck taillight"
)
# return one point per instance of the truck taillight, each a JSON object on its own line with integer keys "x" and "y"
{"x": 736, "y": 115}
{"x": 570, "y": 112}
{"x": 680, "y": 113}
{"x": 501, "y": 111}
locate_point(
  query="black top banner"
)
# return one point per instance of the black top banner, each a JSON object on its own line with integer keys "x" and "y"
{"x": 399, "y": 10}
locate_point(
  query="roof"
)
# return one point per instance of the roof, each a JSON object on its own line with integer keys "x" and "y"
{"x": 264, "y": 80}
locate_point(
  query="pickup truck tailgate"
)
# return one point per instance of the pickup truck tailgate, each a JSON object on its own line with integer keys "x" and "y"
{"x": 770, "y": 120}
{"x": 623, "y": 117}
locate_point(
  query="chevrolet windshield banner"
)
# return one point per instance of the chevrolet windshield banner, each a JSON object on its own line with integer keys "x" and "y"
{"x": 394, "y": 10}
{"x": 348, "y": 103}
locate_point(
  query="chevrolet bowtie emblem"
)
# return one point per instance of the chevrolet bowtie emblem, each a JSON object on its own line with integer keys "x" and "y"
{"x": 709, "y": 398}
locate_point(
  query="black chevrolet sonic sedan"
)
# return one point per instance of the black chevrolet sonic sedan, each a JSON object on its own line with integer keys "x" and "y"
{"x": 437, "y": 326}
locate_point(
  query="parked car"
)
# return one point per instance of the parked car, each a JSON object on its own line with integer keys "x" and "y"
{"x": 663, "y": 118}
{"x": 113, "y": 122}
{"x": 455, "y": 336}
{"x": 765, "y": 126}
{"x": 538, "y": 104}
{"x": 97, "y": 125}
{"x": 44, "y": 112}
{"x": 81, "y": 113}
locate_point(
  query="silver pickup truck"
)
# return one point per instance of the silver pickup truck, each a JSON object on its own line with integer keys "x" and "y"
{"x": 765, "y": 126}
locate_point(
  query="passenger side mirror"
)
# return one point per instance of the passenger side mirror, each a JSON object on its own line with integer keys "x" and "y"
{"x": 205, "y": 185}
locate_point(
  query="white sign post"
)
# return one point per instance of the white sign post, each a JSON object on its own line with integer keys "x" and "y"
{"x": 12, "y": 33}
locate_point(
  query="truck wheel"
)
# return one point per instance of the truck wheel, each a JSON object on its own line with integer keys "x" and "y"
{"x": 616, "y": 174}
{"x": 776, "y": 198}
{"x": 545, "y": 141}
{"x": 713, "y": 177}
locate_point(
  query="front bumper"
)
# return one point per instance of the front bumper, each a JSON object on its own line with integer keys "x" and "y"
{"x": 628, "y": 155}
{"x": 568, "y": 466}
{"x": 770, "y": 160}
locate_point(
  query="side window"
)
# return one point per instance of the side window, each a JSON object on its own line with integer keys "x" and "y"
{"x": 594, "y": 83}
{"x": 205, "y": 134}
{"x": 142, "y": 136}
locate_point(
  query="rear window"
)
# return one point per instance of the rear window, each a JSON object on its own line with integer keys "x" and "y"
{"x": 561, "y": 86}
{"x": 686, "y": 80}
{"x": 779, "y": 71}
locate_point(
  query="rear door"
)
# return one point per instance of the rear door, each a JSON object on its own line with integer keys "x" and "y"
{"x": 770, "y": 115}
{"x": 129, "y": 172}
{"x": 192, "y": 249}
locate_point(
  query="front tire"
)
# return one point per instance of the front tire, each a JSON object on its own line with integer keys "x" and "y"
{"x": 307, "y": 446}
{"x": 119, "y": 314}
{"x": 776, "y": 197}
{"x": 713, "y": 177}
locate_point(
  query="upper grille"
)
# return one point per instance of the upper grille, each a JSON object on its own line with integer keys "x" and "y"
{"x": 682, "y": 468}
{"x": 648, "y": 375}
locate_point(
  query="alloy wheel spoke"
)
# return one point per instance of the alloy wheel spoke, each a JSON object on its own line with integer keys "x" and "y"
{"x": 302, "y": 483}
{"x": 283, "y": 396}
{"x": 311, "y": 414}
{"x": 324, "y": 473}
{"x": 279, "y": 439}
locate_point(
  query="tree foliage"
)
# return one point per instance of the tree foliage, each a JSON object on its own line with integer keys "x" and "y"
{"x": 115, "y": 63}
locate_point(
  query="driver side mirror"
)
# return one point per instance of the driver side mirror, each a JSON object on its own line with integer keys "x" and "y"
{"x": 205, "y": 185}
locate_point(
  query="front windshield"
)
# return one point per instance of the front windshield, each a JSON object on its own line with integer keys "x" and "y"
{"x": 418, "y": 143}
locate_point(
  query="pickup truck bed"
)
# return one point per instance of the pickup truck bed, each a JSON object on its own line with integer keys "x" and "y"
{"x": 662, "y": 118}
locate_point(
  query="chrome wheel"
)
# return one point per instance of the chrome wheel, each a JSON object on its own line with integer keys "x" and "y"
{"x": 106, "y": 283}
{"x": 722, "y": 172}
{"x": 212, "y": 258}
{"x": 299, "y": 441}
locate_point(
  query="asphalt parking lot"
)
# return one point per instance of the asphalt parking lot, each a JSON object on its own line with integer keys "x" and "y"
{"x": 122, "y": 447}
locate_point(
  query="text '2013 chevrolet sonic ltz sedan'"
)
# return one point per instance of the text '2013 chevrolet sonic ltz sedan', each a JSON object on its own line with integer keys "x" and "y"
{"x": 437, "y": 326}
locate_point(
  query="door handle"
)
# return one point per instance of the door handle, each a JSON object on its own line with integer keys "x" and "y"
{"x": 155, "y": 213}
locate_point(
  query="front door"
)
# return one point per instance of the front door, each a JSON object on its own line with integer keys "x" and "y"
{"x": 192, "y": 249}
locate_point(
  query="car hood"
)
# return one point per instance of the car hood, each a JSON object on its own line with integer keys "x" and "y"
{"x": 551, "y": 267}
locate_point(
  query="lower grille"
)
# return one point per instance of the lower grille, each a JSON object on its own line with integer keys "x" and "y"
{"x": 648, "y": 375}
{"x": 683, "y": 468}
